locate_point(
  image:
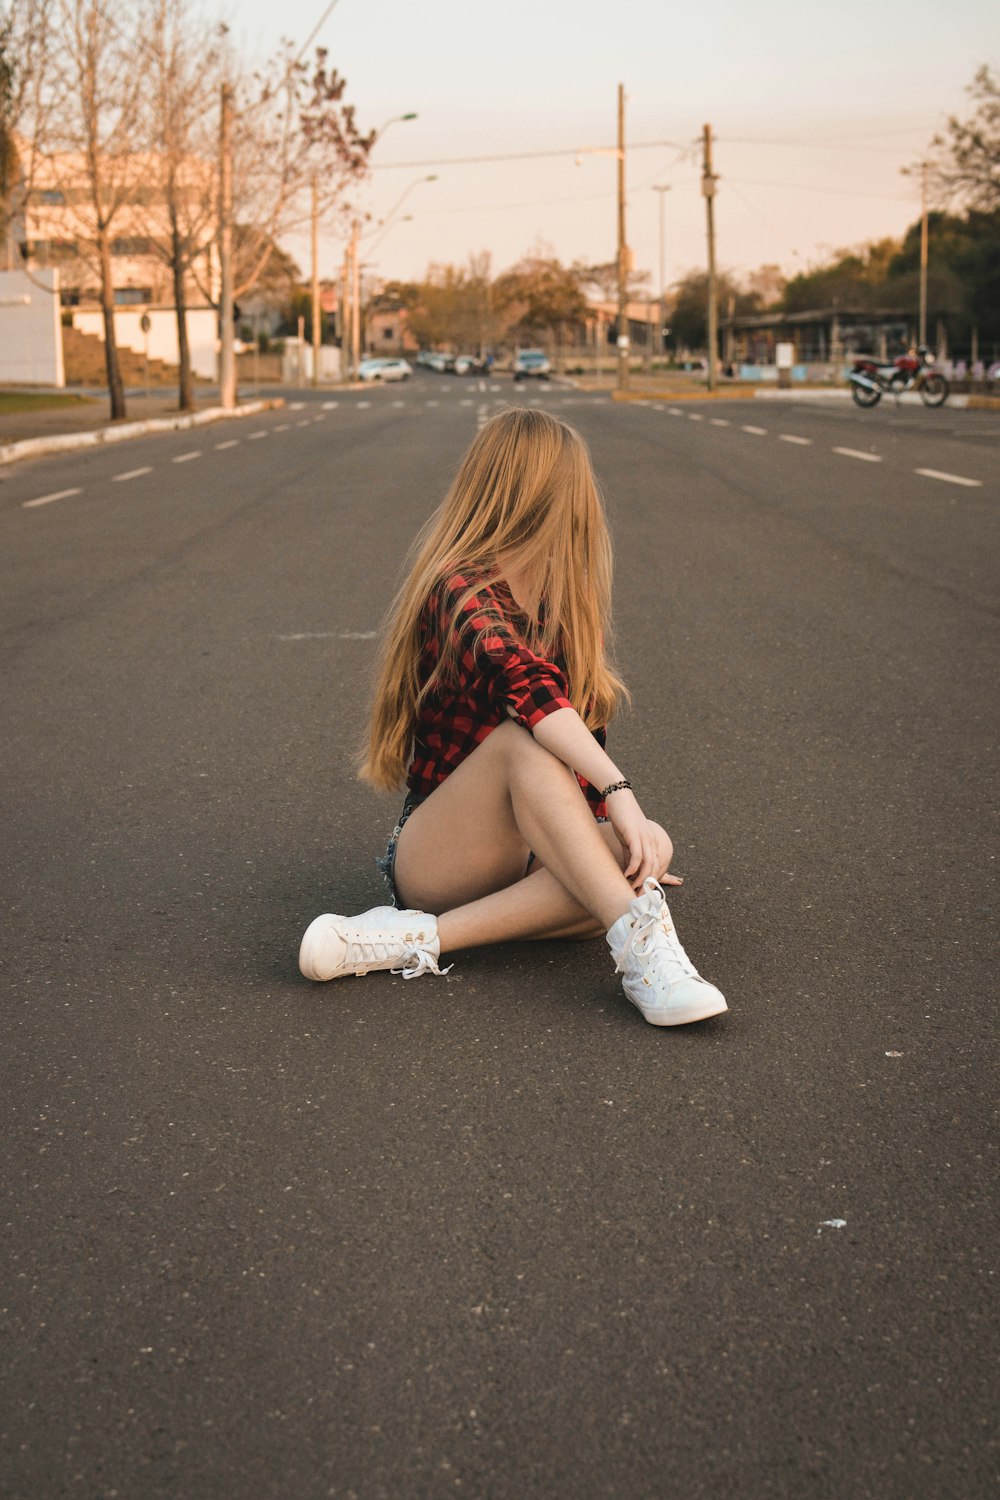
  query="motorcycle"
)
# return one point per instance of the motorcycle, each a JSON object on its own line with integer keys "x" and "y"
{"x": 913, "y": 371}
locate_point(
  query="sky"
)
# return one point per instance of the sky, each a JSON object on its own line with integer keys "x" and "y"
{"x": 815, "y": 106}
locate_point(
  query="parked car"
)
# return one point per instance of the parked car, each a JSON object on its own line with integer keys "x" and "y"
{"x": 531, "y": 364}
{"x": 384, "y": 369}
{"x": 469, "y": 364}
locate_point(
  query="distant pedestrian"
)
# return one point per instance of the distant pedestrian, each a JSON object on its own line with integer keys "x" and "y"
{"x": 492, "y": 694}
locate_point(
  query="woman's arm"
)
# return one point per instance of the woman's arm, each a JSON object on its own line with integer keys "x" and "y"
{"x": 647, "y": 848}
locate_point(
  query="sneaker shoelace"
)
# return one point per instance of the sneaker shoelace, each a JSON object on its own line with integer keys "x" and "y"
{"x": 414, "y": 958}
{"x": 654, "y": 931}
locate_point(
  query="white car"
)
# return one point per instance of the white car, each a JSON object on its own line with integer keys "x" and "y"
{"x": 384, "y": 369}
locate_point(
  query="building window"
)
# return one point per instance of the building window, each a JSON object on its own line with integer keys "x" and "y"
{"x": 137, "y": 244}
{"x": 132, "y": 296}
{"x": 388, "y": 333}
{"x": 51, "y": 197}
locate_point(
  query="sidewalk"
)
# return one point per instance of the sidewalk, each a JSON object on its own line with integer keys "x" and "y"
{"x": 66, "y": 426}
{"x": 87, "y": 410}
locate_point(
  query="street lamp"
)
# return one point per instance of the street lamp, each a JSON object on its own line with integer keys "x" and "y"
{"x": 662, "y": 188}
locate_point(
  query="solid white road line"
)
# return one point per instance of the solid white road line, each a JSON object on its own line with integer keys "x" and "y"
{"x": 48, "y": 499}
{"x": 132, "y": 474}
{"x": 757, "y": 431}
{"x": 254, "y": 435}
{"x": 718, "y": 422}
{"x": 229, "y": 443}
{"x": 947, "y": 478}
{"x": 185, "y": 458}
{"x": 329, "y": 405}
{"x": 868, "y": 458}
{"x": 790, "y": 437}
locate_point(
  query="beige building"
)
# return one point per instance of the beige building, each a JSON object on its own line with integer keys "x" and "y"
{"x": 53, "y": 226}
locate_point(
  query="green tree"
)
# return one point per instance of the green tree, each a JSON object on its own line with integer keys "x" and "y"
{"x": 688, "y": 316}
{"x": 852, "y": 278}
{"x": 963, "y": 277}
{"x": 540, "y": 299}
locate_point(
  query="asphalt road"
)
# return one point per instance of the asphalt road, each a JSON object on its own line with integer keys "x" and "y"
{"x": 493, "y": 1235}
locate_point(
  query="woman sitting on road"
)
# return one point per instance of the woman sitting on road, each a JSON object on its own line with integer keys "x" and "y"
{"x": 492, "y": 694}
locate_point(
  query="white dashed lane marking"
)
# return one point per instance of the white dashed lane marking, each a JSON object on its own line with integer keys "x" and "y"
{"x": 757, "y": 431}
{"x": 868, "y": 458}
{"x": 949, "y": 478}
{"x": 254, "y": 435}
{"x": 132, "y": 474}
{"x": 48, "y": 499}
{"x": 718, "y": 422}
{"x": 320, "y": 418}
{"x": 329, "y": 405}
{"x": 399, "y": 403}
{"x": 363, "y": 405}
{"x": 283, "y": 426}
{"x": 296, "y": 405}
{"x": 229, "y": 443}
{"x": 185, "y": 458}
{"x": 432, "y": 403}
{"x": 675, "y": 411}
{"x": 695, "y": 416}
{"x": 302, "y": 422}
{"x": 790, "y": 437}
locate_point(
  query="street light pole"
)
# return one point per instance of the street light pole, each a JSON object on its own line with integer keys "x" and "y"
{"x": 708, "y": 182}
{"x": 623, "y": 267}
{"x": 227, "y": 352}
{"x": 922, "y": 338}
{"x": 662, "y": 190}
{"x": 315, "y": 282}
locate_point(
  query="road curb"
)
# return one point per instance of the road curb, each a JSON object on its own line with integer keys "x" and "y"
{"x": 62, "y": 442}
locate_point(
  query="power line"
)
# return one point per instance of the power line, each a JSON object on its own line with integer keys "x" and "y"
{"x": 465, "y": 161}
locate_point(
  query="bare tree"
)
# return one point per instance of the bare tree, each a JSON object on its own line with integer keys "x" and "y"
{"x": 24, "y": 34}
{"x": 184, "y": 72}
{"x": 83, "y": 123}
{"x": 967, "y": 161}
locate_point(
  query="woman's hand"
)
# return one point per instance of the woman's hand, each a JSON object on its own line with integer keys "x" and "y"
{"x": 646, "y": 846}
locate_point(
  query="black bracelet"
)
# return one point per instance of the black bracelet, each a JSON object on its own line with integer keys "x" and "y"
{"x": 616, "y": 786}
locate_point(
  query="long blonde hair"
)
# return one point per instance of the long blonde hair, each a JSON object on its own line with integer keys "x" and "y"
{"x": 524, "y": 499}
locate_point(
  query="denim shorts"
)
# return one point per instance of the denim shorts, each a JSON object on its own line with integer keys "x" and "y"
{"x": 387, "y": 862}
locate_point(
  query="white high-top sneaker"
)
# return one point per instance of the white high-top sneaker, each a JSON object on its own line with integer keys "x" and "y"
{"x": 657, "y": 975}
{"x": 406, "y": 942}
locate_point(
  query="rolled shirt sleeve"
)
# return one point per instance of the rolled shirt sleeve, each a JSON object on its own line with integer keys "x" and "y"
{"x": 519, "y": 681}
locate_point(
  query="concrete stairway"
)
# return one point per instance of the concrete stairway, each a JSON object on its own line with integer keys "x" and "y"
{"x": 83, "y": 355}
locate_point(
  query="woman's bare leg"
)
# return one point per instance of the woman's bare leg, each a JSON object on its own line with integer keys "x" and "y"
{"x": 462, "y": 853}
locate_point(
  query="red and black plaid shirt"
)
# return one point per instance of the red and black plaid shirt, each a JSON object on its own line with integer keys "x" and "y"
{"x": 494, "y": 681}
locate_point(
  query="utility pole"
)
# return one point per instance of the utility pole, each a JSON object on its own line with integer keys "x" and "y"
{"x": 227, "y": 352}
{"x": 708, "y": 181}
{"x": 355, "y": 299}
{"x": 922, "y": 336}
{"x": 344, "y": 306}
{"x": 662, "y": 190}
{"x": 623, "y": 255}
{"x": 315, "y": 281}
